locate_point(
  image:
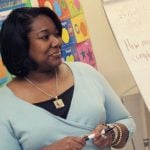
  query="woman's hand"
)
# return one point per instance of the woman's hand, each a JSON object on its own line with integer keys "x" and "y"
{"x": 99, "y": 140}
{"x": 67, "y": 143}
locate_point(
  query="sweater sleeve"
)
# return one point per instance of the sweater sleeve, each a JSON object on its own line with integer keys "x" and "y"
{"x": 115, "y": 110}
{"x": 7, "y": 139}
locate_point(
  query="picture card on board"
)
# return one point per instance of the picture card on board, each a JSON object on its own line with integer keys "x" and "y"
{"x": 68, "y": 35}
{"x": 85, "y": 53}
{"x": 45, "y": 3}
{"x": 80, "y": 28}
{"x": 59, "y": 6}
{"x": 69, "y": 54}
{"x": 74, "y": 7}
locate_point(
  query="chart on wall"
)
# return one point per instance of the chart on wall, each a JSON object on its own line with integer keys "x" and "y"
{"x": 77, "y": 45}
{"x": 130, "y": 23}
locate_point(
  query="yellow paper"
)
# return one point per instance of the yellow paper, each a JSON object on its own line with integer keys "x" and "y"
{"x": 65, "y": 35}
{"x": 80, "y": 28}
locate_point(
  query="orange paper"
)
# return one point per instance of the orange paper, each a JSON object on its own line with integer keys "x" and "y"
{"x": 3, "y": 71}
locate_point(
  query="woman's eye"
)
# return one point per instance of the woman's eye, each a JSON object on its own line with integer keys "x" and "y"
{"x": 44, "y": 37}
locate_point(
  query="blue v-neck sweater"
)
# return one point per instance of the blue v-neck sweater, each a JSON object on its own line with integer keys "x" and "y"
{"x": 24, "y": 126}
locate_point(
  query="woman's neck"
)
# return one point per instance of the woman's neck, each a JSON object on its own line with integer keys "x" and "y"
{"x": 43, "y": 76}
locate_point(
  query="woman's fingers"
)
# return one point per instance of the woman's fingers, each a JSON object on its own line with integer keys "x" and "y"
{"x": 103, "y": 140}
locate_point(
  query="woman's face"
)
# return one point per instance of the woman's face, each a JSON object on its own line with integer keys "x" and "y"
{"x": 45, "y": 43}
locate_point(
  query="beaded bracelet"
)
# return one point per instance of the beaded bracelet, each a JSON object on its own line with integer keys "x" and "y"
{"x": 115, "y": 135}
{"x": 119, "y": 137}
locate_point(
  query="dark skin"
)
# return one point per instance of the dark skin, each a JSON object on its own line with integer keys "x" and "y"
{"x": 45, "y": 50}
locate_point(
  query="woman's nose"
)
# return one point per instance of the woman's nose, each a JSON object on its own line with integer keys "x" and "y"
{"x": 56, "y": 41}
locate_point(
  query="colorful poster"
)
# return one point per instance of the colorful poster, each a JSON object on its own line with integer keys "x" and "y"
{"x": 85, "y": 53}
{"x": 80, "y": 28}
{"x": 61, "y": 9}
{"x": 69, "y": 54}
{"x": 7, "y": 6}
{"x": 11, "y": 4}
{"x": 68, "y": 36}
{"x": 74, "y": 7}
{"x": 59, "y": 6}
{"x": 76, "y": 43}
{"x": 3, "y": 73}
{"x": 34, "y": 3}
{"x": 27, "y": 3}
{"x": 45, "y": 3}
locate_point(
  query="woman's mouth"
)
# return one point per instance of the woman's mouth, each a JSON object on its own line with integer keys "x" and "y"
{"x": 56, "y": 54}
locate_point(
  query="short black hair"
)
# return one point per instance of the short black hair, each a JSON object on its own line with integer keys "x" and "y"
{"x": 14, "y": 41}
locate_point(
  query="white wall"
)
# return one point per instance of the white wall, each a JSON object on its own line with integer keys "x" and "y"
{"x": 108, "y": 56}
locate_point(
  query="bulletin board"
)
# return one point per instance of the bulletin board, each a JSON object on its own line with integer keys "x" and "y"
{"x": 77, "y": 45}
{"x": 130, "y": 23}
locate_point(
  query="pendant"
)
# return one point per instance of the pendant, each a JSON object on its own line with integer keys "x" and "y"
{"x": 58, "y": 103}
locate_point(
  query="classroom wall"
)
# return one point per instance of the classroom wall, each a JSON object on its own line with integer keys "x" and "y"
{"x": 108, "y": 56}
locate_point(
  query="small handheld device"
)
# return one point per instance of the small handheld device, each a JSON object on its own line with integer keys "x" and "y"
{"x": 103, "y": 133}
{"x": 107, "y": 130}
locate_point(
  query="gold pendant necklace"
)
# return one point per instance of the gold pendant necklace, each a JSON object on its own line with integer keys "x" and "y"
{"x": 58, "y": 102}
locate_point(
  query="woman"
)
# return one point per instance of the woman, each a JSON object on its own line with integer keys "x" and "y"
{"x": 50, "y": 104}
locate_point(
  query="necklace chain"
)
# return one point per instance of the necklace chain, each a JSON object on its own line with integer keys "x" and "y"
{"x": 58, "y": 101}
{"x": 38, "y": 88}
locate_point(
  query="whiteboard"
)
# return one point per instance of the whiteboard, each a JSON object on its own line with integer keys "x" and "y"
{"x": 130, "y": 23}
